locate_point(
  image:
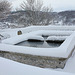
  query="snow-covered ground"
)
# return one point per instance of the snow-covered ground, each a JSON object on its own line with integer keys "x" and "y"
{"x": 8, "y": 67}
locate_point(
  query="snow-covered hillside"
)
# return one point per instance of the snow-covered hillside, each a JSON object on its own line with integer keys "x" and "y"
{"x": 61, "y": 18}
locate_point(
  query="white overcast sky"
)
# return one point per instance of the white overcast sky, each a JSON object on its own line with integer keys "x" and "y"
{"x": 57, "y": 5}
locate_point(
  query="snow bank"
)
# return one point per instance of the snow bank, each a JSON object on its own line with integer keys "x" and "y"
{"x": 8, "y": 67}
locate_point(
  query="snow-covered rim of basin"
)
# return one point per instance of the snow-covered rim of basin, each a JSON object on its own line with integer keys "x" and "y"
{"x": 51, "y": 27}
{"x": 51, "y": 33}
{"x": 36, "y": 28}
{"x": 37, "y": 35}
{"x": 20, "y": 38}
{"x": 56, "y": 38}
{"x": 62, "y": 51}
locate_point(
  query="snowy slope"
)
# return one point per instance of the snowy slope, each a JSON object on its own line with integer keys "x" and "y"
{"x": 8, "y": 67}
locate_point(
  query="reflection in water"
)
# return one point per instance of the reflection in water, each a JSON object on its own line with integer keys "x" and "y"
{"x": 43, "y": 44}
{"x": 54, "y": 44}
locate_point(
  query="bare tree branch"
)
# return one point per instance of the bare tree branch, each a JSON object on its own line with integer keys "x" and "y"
{"x": 36, "y": 12}
{"x": 5, "y": 8}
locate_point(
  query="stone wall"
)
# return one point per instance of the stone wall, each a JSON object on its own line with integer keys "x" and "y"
{"x": 39, "y": 61}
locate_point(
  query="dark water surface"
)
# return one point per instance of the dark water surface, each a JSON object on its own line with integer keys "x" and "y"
{"x": 39, "y": 44}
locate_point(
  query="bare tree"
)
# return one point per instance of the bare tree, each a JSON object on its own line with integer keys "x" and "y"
{"x": 47, "y": 15}
{"x": 36, "y": 11}
{"x": 32, "y": 5}
{"x": 32, "y": 8}
{"x": 5, "y": 8}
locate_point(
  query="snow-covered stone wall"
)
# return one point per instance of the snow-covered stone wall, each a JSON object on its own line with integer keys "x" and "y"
{"x": 39, "y": 61}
